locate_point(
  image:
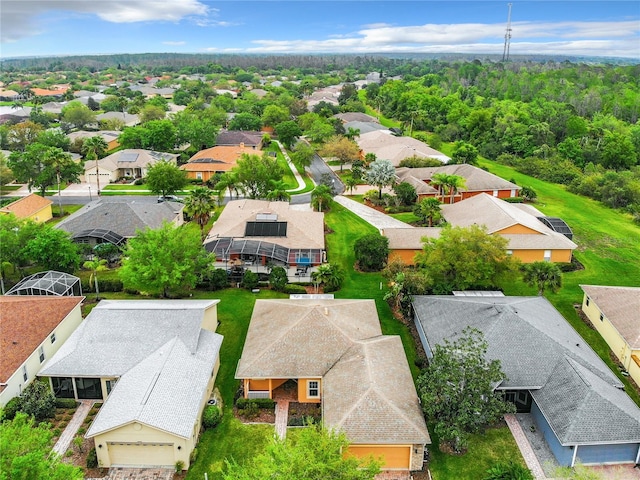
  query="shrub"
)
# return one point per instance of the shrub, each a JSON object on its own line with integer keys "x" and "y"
{"x": 249, "y": 280}
{"x": 292, "y": 288}
{"x": 372, "y": 252}
{"x": 56, "y": 432}
{"x": 139, "y": 182}
{"x": 92, "y": 458}
{"x": 514, "y": 200}
{"x": 278, "y": 278}
{"x": 82, "y": 431}
{"x": 38, "y": 400}
{"x": 508, "y": 471}
{"x": 242, "y": 403}
{"x": 179, "y": 466}
{"x": 218, "y": 279}
{"x": 251, "y": 410}
{"x": 193, "y": 456}
{"x": 11, "y": 408}
{"x": 66, "y": 403}
{"x": 211, "y": 417}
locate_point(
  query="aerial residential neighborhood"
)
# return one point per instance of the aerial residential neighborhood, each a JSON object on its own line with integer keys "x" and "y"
{"x": 230, "y": 266}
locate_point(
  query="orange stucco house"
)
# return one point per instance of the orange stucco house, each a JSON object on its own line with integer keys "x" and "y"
{"x": 219, "y": 159}
{"x": 332, "y": 352}
{"x": 32, "y": 207}
{"x": 477, "y": 181}
{"x": 525, "y": 228}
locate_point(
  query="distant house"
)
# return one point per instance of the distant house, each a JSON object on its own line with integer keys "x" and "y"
{"x": 386, "y": 146}
{"x": 615, "y": 314}
{"x": 332, "y": 352}
{"x": 219, "y": 159}
{"x": 153, "y": 363}
{"x": 348, "y": 117}
{"x": 237, "y": 138}
{"x": 32, "y": 207}
{"x": 129, "y": 163}
{"x": 32, "y": 329}
{"x": 529, "y": 238}
{"x": 128, "y": 119}
{"x": 476, "y": 181}
{"x": 110, "y": 137}
{"x": 115, "y": 222}
{"x": 576, "y": 402}
{"x": 258, "y": 233}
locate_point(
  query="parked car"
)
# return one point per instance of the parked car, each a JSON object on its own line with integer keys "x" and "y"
{"x": 169, "y": 198}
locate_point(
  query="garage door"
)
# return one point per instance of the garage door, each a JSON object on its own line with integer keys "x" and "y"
{"x": 394, "y": 457}
{"x": 147, "y": 454}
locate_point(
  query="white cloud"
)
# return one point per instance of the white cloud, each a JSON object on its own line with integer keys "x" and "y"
{"x": 571, "y": 38}
{"x": 169, "y": 42}
{"x": 19, "y": 17}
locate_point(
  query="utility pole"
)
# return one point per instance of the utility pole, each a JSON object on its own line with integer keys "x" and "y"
{"x": 507, "y": 37}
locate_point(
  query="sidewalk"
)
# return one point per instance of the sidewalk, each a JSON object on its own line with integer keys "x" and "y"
{"x": 525, "y": 447}
{"x": 370, "y": 215}
{"x": 282, "y": 417}
{"x": 294, "y": 170}
{"x": 74, "y": 424}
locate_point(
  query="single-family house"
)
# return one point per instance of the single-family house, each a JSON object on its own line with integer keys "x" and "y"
{"x": 574, "y": 399}
{"x": 530, "y": 238}
{"x": 128, "y": 119}
{"x": 110, "y": 137}
{"x": 219, "y": 159}
{"x": 476, "y": 181}
{"x": 238, "y": 138}
{"x": 128, "y": 163}
{"x": 32, "y": 207}
{"x": 615, "y": 314}
{"x": 153, "y": 363}
{"x": 405, "y": 243}
{"x": 334, "y": 352}
{"x": 348, "y": 117}
{"x": 32, "y": 329}
{"x": 114, "y": 222}
{"x": 386, "y": 146}
{"x": 259, "y": 233}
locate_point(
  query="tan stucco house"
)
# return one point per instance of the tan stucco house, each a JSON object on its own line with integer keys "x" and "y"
{"x": 128, "y": 163}
{"x": 153, "y": 363}
{"x": 32, "y": 330}
{"x": 32, "y": 207}
{"x": 335, "y": 354}
{"x": 615, "y": 314}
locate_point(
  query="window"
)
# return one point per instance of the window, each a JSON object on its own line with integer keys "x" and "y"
{"x": 53, "y": 337}
{"x": 495, "y": 193}
{"x": 602, "y": 317}
{"x": 313, "y": 389}
{"x": 25, "y": 376}
{"x": 509, "y": 252}
{"x": 41, "y": 353}
{"x": 547, "y": 255}
{"x": 110, "y": 384}
{"x": 199, "y": 175}
{"x": 587, "y": 302}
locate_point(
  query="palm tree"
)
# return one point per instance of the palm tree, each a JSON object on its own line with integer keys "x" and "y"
{"x": 352, "y": 133}
{"x": 94, "y": 147}
{"x": 428, "y": 209}
{"x": 97, "y": 265}
{"x": 278, "y": 191}
{"x": 439, "y": 181}
{"x": 320, "y": 197}
{"x": 351, "y": 183}
{"x": 199, "y": 205}
{"x": 544, "y": 275}
{"x": 331, "y": 276}
{"x": 454, "y": 183}
{"x": 58, "y": 159}
{"x": 229, "y": 181}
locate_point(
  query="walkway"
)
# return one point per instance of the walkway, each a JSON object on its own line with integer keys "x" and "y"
{"x": 282, "y": 416}
{"x": 525, "y": 447}
{"x": 118, "y": 473}
{"x": 370, "y": 215}
{"x": 294, "y": 170}
{"x": 74, "y": 424}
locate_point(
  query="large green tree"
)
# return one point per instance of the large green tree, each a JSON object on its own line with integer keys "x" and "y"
{"x": 255, "y": 173}
{"x": 371, "y": 252}
{"x": 168, "y": 260}
{"x": 53, "y": 249}
{"x": 315, "y": 454}
{"x": 342, "y": 148}
{"x": 457, "y": 389}
{"x": 245, "y": 121}
{"x": 164, "y": 178}
{"x": 26, "y": 452}
{"x": 78, "y": 114}
{"x": 288, "y": 132}
{"x": 466, "y": 257}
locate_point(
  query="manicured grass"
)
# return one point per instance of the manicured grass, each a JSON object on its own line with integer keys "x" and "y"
{"x": 67, "y": 209}
{"x": 8, "y": 188}
{"x": 123, "y": 186}
{"x": 485, "y": 449}
{"x": 347, "y": 228}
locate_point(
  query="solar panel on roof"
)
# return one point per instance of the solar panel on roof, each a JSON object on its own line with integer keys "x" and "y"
{"x": 266, "y": 229}
{"x": 128, "y": 157}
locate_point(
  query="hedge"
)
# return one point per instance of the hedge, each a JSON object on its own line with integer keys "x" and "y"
{"x": 293, "y": 288}
{"x": 242, "y": 403}
{"x": 211, "y": 416}
{"x": 105, "y": 285}
{"x": 66, "y": 403}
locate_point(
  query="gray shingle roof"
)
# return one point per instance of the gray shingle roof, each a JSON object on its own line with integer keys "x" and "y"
{"x": 347, "y": 117}
{"x": 596, "y": 411}
{"x": 235, "y": 137}
{"x": 118, "y": 335}
{"x": 621, "y": 306}
{"x": 538, "y": 350}
{"x": 303, "y": 338}
{"x": 370, "y": 395}
{"x": 164, "y": 390}
{"x": 123, "y": 218}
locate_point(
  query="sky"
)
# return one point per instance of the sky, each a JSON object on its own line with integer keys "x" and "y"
{"x": 76, "y": 27}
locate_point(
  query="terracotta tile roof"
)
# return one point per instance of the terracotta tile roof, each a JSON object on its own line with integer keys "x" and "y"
{"x": 220, "y": 158}
{"x": 26, "y": 206}
{"x": 25, "y": 321}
